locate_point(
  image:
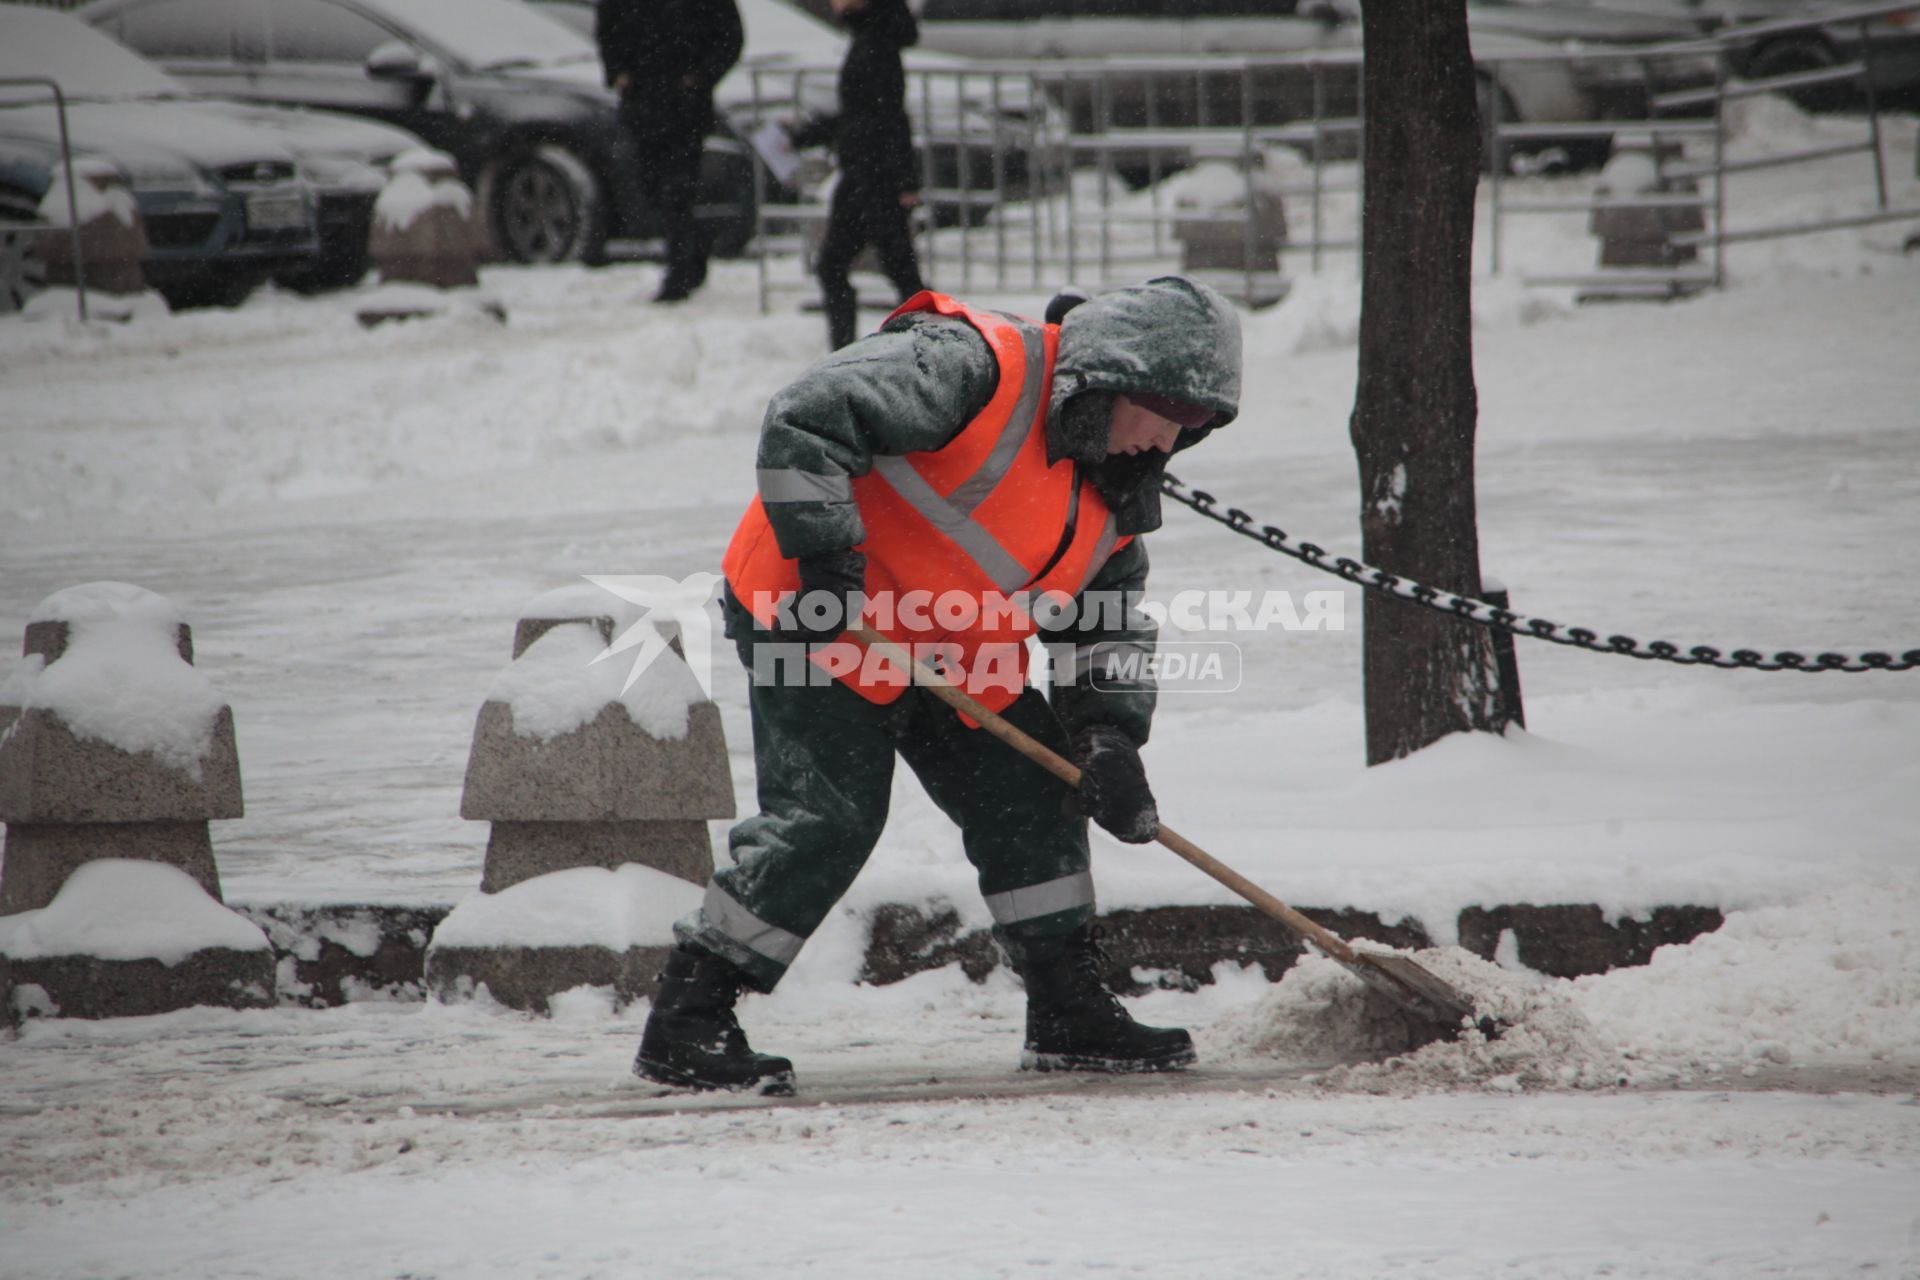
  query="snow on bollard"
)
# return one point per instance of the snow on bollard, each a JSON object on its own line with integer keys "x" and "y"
{"x": 1229, "y": 217}
{"x": 113, "y": 245}
{"x": 1643, "y": 235}
{"x": 423, "y": 240}
{"x": 115, "y": 754}
{"x": 599, "y": 798}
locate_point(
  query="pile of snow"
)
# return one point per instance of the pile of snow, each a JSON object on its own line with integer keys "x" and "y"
{"x": 1321, "y": 1013}
{"x": 128, "y": 909}
{"x": 121, "y": 679}
{"x": 1835, "y": 977}
{"x": 630, "y": 906}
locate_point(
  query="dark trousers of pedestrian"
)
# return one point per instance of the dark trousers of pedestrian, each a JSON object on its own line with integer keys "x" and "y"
{"x": 824, "y": 757}
{"x": 669, "y": 170}
{"x": 861, "y": 216}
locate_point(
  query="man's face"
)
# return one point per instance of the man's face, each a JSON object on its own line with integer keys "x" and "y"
{"x": 1135, "y": 428}
{"x": 843, "y": 7}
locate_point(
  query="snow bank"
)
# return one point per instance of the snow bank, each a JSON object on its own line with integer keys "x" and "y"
{"x": 630, "y": 906}
{"x": 1836, "y": 976}
{"x": 121, "y": 679}
{"x": 128, "y": 909}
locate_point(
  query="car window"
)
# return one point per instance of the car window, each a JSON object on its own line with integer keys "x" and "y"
{"x": 178, "y": 29}
{"x": 319, "y": 31}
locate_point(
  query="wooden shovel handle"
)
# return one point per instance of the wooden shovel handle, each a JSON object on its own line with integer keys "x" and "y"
{"x": 1067, "y": 772}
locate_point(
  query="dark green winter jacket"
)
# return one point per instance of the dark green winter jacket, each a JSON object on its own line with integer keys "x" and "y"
{"x": 914, "y": 385}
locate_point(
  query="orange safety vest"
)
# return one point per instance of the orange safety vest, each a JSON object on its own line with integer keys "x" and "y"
{"x": 982, "y": 518}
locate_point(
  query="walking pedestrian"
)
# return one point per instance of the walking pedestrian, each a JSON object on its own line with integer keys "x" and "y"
{"x": 879, "y": 183}
{"x": 664, "y": 58}
{"x": 978, "y": 464}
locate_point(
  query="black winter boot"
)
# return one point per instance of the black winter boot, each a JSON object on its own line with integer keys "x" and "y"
{"x": 1075, "y": 1024}
{"x": 693, "y": 1041}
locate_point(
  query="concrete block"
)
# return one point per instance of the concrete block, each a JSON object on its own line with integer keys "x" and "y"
{"x": 1567, "y": 940}
{"x": 328, "y": 954}
{"x": 125, "y": 938}
{"x": 1240, "y": 231}
{"x": 527, "y": 978}
{"x": 424, "y": 231}
{"x": 113, "y": 237}
{"x": 92, "y": 987}
{"x": 111, "y": 746}
{"x": 518, "y": 851}
{"x": 1643, "y": 237}
{"x": 40, "y": 856}
{"x": 50, "y": 774}
{"x": 609, "y": 769}
{"x": 608, "y": 789}
{"x": 585, "y": 926}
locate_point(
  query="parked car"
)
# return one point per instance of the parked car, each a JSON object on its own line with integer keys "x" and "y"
{"x": 1889, "y": 45}
{"x": 789, "y": 68}
{"x": 1618, "y": 87}
{"x": 229, "y": 194}
{"x": 514, "y": 96}
{"x": 1525, "y": 91}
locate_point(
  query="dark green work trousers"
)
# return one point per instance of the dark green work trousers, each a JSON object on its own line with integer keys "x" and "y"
{"x": 824, "y": 758}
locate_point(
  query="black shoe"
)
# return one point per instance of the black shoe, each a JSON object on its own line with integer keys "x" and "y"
{"x": 693, "y": 1041}
{"x": 680, "y": 281}
{"x": 1075, "y": 1024}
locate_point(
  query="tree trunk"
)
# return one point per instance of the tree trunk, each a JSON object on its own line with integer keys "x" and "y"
{"x": 1415, "y": 409}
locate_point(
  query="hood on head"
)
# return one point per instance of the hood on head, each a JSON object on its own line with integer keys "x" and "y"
{"x": 1170, "y": 336}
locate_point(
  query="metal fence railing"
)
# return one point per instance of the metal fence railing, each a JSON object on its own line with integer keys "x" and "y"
{"x": 1046, "y": 171}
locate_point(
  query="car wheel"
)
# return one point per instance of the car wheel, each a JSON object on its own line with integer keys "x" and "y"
{"x": 544, "y": 205}
{"x": 1789, "y": 57}
{"x": 22, "y": 274}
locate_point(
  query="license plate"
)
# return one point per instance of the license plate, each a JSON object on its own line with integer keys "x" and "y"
{"x": 276, "y": 211}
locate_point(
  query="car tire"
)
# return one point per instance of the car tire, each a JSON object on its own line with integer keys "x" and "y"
{"x": 22, "y": 273}
{"x": 1788, "y": 57}
{"x": 544, "y": 205}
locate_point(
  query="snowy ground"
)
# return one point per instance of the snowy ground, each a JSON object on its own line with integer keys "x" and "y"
{"x": 350, "y": 520}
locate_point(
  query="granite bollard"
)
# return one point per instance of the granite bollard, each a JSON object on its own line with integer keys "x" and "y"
{"x": 424, "y": 240}
{"x": 598, "y": 793}
{"x": 1643, "y": 236}
{"x": 1229, "y": 216}
{"x": 115, "y": 752}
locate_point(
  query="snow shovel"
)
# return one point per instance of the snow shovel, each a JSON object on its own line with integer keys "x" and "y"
{"x": 1397, "y": 977}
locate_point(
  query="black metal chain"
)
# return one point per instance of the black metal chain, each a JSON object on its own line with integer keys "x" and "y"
{"x": 1488, "y": 615}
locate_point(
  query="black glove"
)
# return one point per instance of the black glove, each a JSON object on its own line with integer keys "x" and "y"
{"x": 832, "y": 592}
{"x": 1113, "y": 784}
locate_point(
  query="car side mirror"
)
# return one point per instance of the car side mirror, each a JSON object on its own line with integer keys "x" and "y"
{"x": 398, "y": 60}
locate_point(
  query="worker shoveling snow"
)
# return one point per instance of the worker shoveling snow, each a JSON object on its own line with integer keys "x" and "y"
{"x": 1321, "y": 1013}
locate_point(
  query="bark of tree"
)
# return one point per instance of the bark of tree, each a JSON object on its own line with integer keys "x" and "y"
{"x": 1415, "y": 409}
